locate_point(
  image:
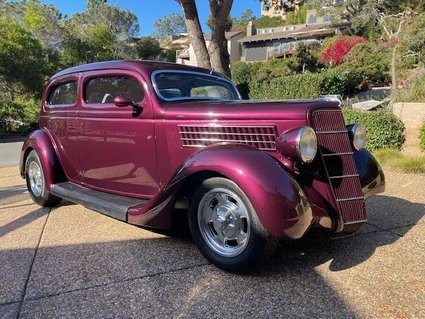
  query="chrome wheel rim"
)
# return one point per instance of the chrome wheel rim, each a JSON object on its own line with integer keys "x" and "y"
{"x": 223, "y": 221}
{"x": 35, "y": 177}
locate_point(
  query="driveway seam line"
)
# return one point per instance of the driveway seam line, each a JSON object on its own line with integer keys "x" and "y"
{"x": 119, "y": 281}
{"x": 390, "y": 230}
{"x": 24, "y": 293}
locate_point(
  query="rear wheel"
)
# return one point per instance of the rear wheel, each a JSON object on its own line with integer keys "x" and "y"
{"x": 36, "y": 182}
{"x": 225, "y": 226}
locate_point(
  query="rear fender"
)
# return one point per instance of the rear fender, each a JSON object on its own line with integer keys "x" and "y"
{"x": 40, "y": 141}
{"x": 277, "y": 198}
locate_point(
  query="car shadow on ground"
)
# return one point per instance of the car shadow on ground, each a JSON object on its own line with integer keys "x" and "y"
{"x": 389, "y": 219}
{"x": 168, "y": 275}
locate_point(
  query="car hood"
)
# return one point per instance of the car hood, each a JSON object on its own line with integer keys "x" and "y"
{"x": 244, "y": 110}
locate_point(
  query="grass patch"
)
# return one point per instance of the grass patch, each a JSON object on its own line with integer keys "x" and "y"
{"x": 410, "y": 164}
{"x": 396, "y": 160}
{"x": 387, "y": 154}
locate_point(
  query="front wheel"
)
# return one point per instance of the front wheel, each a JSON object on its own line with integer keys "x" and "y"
{"x": 36, "y": 182}
{"x": 225, "y": 226}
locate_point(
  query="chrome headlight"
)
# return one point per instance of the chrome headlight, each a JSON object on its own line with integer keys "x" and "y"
{"x": 358, "y": 136}
{"x": 306, "y": 144}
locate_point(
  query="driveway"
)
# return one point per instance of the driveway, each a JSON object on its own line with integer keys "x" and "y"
{"x": 10, "y": 153}
{"x": 70, "y": 262}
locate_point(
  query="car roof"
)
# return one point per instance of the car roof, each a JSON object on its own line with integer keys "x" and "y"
{"x": 148, "y": 66}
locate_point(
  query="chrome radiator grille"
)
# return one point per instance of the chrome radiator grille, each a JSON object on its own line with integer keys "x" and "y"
{"x": 338, "y": 159}
{"x": 261, "y": 137}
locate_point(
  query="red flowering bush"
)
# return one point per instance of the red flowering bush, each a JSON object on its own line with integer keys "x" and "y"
{"x": 337, "y": 50}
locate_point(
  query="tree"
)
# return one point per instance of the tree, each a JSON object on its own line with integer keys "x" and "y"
{"x": 22, "y": 59}
{"x": 104, "y": 29}
{"x": 218, "y": 56}
{"x": 148, "y": 48}
{"x": 243, "y": 20}
{"x": 196, "y": 36}
{"x": 172, "y": 24}
{"x": 393, "y": 26}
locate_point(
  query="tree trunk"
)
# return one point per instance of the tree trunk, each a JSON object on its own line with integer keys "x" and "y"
{"x": 393, "y": 69}
{"x": 219, "y": 55}
{"x": 196, "y": 36}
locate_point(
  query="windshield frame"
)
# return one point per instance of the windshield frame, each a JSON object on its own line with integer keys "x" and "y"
{"x": 194, "y": 98}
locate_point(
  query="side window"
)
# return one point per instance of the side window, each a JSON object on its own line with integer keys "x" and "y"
{"x": 63, "y": 94}
{"x": 104, "y": 89}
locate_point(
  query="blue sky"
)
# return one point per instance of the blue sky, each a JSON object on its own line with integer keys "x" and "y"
{"x": 148, "y": 11}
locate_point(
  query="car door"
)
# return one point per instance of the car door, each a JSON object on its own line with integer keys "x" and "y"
{"x": 60, "y": 103}
{"x": 117, "y": 150}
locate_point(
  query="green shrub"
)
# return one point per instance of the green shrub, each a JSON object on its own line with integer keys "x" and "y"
{"x": 414, "y": 93}
{"x": 268, "y": 22}
{"x": 422, "y": 137}
{"x": 23, "y": 109}
{"x": 383, "y": 128}
{"x": 304, "y": 86}
{"x": 367, "y": 60}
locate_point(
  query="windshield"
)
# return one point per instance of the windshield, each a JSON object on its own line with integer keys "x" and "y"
{"x": 182, "y": 85}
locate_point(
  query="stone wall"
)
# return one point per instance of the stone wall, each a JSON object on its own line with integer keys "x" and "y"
{"x": 412, "y": 115}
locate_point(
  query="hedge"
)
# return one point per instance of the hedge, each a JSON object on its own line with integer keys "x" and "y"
{"x": 305, "y": 86}
{"x": 422, "y": 137}
{"x": 383, "y": 128}
{"x": 23, "y": 109}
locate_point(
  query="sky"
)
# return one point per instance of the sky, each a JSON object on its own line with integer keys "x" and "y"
{"x": 147, "y": 11}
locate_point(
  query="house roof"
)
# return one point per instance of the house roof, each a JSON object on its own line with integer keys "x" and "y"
{"x": 307, "y": 31}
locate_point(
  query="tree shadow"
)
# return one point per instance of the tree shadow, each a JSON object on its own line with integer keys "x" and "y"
{"x": 11, "y": 195}
{"x": 23, "y": 221}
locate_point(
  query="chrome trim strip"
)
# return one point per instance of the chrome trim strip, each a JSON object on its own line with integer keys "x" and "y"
{"x": 337, "y": 154}
{"x": 226, "y": 126}
{"x": 344, "y": 176}
{"x": 203, "y": 146}
{"x": 154, "y": 73}
{"x": 224, "y": 140}
{"x": 349, "y": 199}
{"x": 356, "y": 222}
{"x": 330, "y": 132}
{"x": 226, "y": 133}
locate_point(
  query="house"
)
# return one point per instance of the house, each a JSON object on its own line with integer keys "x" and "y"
{"x": 187, "y": 56}
{"x": 278, "y": 42}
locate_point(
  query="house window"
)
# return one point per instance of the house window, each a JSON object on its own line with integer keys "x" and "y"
{"x": 327, "y": 18}
{"x": 312, "y": 20}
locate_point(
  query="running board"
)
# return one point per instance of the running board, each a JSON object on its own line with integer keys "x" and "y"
{"x": 114, "y": 206}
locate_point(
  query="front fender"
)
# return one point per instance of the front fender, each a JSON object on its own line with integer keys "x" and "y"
{"x": 372, "y": 177}
{"x": 277, "y": 198}
{"x": 40, "y": 141}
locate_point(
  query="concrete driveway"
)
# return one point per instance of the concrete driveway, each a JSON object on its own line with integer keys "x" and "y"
{"x": 10, "y": 153}
{"x": 70, "y": 262}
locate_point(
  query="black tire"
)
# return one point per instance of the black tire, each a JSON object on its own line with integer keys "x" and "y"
{"x": 224, "y": 201}
{"x": 37, "y": 185}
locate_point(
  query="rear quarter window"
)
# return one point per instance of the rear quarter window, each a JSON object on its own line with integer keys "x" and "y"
{"x": 63, "y": 94}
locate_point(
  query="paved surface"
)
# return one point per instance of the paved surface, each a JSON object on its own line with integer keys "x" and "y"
{"x": 10, "y": 153}
{"x": 70, "y": 262}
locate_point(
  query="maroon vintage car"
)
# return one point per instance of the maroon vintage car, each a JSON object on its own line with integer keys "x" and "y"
{"x": 138, "y": 140}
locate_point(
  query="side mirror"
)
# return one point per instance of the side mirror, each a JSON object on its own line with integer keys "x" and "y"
{"x": 123, "y": 101}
